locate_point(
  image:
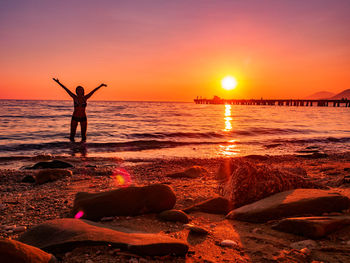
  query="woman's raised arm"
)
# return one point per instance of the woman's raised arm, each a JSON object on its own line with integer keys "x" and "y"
{"x": 68, "y": 91}
{"x": 94, "y": 90}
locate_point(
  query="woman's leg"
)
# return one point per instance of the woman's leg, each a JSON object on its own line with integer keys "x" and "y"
{"x": 83, "y": 126}
{"x": 73, "y": 129}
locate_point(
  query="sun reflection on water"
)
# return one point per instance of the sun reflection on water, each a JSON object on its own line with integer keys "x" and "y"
{"x": 228, "y": 118}
{"x": 231, "y": 148}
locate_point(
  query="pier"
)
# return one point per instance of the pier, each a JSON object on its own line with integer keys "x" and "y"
{"x": 276, "y": 102}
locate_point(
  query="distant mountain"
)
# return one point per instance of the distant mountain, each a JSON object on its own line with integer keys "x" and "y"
{"x": 344, "y": 94}
{"x": 320, "y": 95}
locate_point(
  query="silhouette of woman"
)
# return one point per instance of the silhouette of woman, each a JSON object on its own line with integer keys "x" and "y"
{"x": 79, "y": 114}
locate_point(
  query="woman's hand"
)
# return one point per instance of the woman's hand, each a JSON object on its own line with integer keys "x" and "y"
{"x": 56, "y": 80}
{"x": 103, "y": 85}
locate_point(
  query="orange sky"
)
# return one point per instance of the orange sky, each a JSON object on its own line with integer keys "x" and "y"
{"x": 162, "y": 50}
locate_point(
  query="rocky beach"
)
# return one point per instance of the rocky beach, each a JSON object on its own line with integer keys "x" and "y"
{"x": 241, "y": 209}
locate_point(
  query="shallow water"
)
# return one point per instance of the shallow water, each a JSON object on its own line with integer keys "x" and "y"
{"x": 166, "y": 129}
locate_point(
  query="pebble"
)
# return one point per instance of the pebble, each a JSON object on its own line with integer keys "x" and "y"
{"x": 335, "y": 214}
{"x": 348, "y": 242}
{"x": 228, "y": 243}
{"x": 305, "y": 251}
{"x": 114, "y": 251}
{"x": 2, "y": 206}
{"x": 89, "y": 261}
{"x": 107, "y": 218}
{"x": 133, "y": 260}
{"x": 19, "y": 229}
{"x": 257, "y": 231}
{"x": 308, "y": 243}
{"x": 7, "y": 228}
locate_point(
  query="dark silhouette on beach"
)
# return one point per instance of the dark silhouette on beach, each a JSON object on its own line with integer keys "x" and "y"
{"x": 79, "y": 114}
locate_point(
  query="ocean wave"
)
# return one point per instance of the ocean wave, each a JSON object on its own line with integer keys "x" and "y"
{"x": 313, "y": 140}
{"x": 103, "y": 147}
{"x": 35, "y": 116}
{"x": 247, "y": 132}
{"x": 161, "y": 135}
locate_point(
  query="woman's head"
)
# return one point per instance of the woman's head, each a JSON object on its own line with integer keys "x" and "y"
{"x": 79, "y": 91}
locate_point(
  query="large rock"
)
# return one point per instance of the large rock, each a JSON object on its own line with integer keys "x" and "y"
{"x": 28, "y": 179}
{"x": 312, "y": 227}
{"x": 193, "y": 172}
{"x": 128, "y": 201}
{"x": 299, "y": 202}
{"x": 174, "y": 216}
{"x": 52, "y": 164}
{"x": 12, "y": 251}
{"x": 244, "y": 182}
{"x": 65, "y": 234}
{"x": 50, "y": 175}
{"x": 217, "y": 205}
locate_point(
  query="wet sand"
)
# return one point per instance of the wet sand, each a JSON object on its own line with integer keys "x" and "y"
{"x": 26, "y": 204}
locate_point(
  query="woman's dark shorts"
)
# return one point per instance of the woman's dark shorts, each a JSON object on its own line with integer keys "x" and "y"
{"x": 79, "y": 119}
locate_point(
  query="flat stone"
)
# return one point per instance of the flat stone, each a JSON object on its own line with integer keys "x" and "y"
{"x": 66, "y": 234}
{"x": 127, "y": 201}
{"x": 257, "y": 157}
{"x": 315, "y": 155}
{"x": 193, "y": 172}
{"x": 312, "y": 227}
{"x": 50, "y": 175}
{"x": 174, "y": 216}
{"x": 51, "y": 164}
{"x": 298, "y": 202}
{"x": 217, "y": 205}
{"x": 12, "y": 251}
{"x": 107, "y": 218}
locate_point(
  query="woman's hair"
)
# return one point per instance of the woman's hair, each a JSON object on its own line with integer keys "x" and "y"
{"x": 79, "y": 89}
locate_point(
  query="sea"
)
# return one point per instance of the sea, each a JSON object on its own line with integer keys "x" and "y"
{"x": 171, "y": 129}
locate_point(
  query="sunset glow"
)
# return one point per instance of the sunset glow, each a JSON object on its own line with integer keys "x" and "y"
{"x": 165, "y": 52}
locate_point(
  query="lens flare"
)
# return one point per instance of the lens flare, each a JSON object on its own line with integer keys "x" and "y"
{"x": 79, "y": 215}
{"x": 121, "y": 177}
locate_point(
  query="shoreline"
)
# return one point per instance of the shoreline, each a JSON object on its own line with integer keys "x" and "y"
{"x": 25, "y": 204}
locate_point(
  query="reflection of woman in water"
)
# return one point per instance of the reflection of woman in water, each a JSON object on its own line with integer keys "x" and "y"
{"x": 79, "y": 114}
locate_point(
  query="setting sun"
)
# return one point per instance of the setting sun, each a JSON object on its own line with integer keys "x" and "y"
{"x": 229, "y": 83}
